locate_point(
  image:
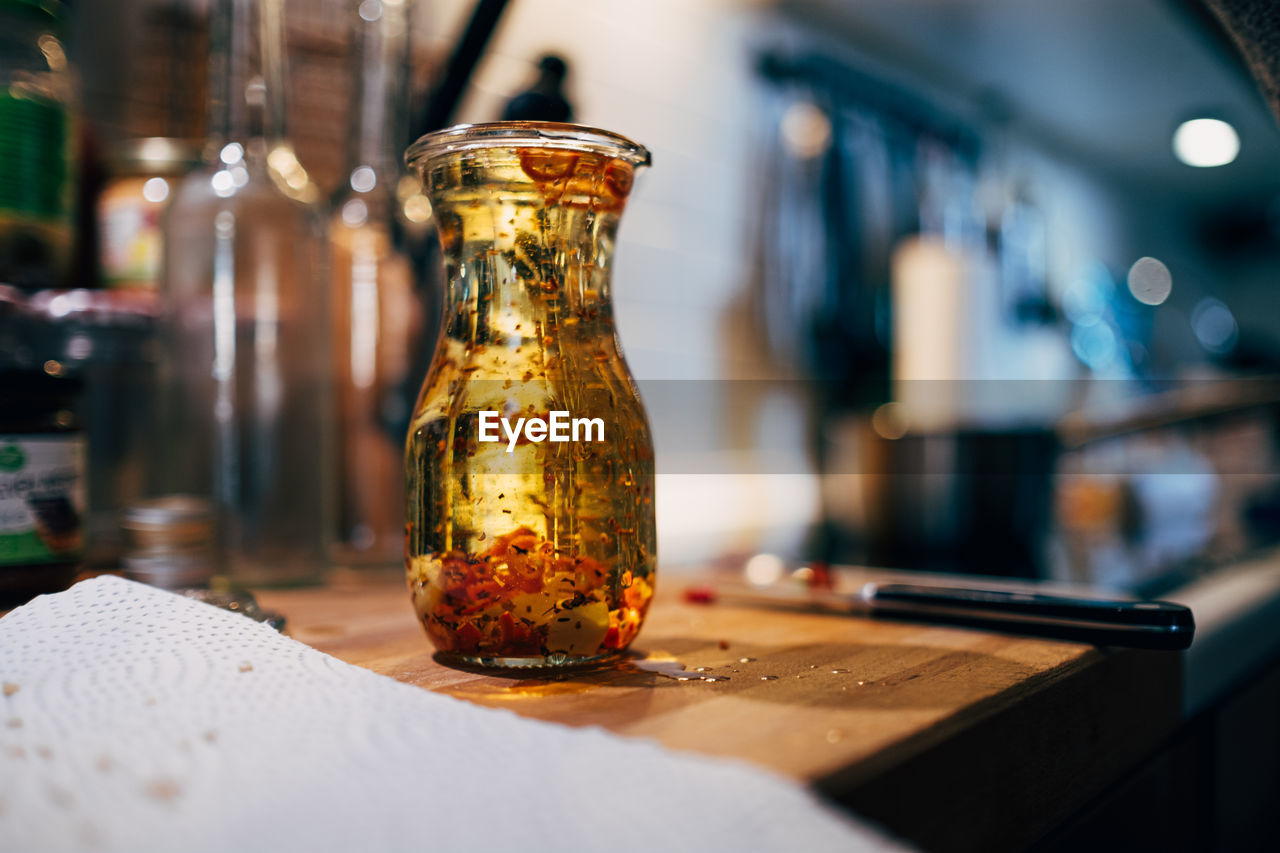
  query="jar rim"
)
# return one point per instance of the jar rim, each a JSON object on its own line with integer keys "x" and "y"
{"x": 539, "y": 134}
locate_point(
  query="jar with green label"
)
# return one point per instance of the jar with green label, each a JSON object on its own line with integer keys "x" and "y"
{"x": 42, "y": 482}
{"x": 37, "y": 145}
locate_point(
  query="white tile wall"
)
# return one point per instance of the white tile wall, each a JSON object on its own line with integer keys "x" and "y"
{"x": 675, "y": 76}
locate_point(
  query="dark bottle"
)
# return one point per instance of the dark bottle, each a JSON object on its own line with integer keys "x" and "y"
{"x": 545, "y": 99}
{"x": 42, "y": 482}
{"x": 37, "y": 146}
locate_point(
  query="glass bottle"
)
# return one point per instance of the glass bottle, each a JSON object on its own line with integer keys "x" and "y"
{"x": 245, "y": 315}
{"x": 529, "y": 551}
{"x": 374, "y": 307}
{"x": 37, "y": 146}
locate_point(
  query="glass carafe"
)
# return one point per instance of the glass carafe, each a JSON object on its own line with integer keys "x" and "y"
{"x": 530, "y": 530}
{"x": 375, "y": 311}
{"x": 245, "y": 320}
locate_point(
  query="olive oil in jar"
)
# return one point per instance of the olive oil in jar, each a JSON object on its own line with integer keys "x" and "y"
{"x": 530, "y": 535}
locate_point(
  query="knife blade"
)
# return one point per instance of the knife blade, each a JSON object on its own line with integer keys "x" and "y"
{"x": 1159, "y": 625}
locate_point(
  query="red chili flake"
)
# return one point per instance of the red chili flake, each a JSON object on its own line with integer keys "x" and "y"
{"x": 619, "y": 175}
{"x": 544, "y": 165}
{"x": 699, "y": 595}
{"x": 822, "y": 577}
{"x": 467, "y": 637}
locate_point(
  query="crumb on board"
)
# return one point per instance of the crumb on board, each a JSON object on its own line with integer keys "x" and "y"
{"x": 14, "y": 722}
{"x": 245, "y": 666}
{"x": 162, "y": 789}
{"x": 10, "y": 688}
{"x": 210, "y": 736}
{"x": 724, "y": 644}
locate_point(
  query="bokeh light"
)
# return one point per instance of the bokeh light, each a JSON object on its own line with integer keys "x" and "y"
{"x": 1206, "y": 142}
{"x": 806, "y": 130}
{"x": 1150, "y": 281}
{"x": 1214, "y": 325}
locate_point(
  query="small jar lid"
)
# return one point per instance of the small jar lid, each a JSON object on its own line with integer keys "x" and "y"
{"x": 169, "y": 570}
{"x": 172, "y": 522}
{"x": 152, "y": 156}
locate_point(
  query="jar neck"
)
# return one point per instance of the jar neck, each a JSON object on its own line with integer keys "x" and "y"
{"x": 505, "y": 297}
{"x": 528, "y": 237}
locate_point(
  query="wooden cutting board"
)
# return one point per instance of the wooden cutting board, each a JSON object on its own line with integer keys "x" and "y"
{"x": 954, "y": 738}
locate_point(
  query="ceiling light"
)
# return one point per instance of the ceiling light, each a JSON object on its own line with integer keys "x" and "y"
{"x": 1150, "y": 281}
{"x": 1206, "y": 142}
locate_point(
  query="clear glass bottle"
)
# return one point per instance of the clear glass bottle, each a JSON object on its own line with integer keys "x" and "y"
{"x": 37, "y": 146}
{"x": 374, "y": 307}
{"x": 245, "y": 320}
{"x": 531, "y": 551}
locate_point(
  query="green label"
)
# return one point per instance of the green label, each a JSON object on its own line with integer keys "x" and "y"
{"x": 12, "y": 458}
{"x": 28, "y": 547}
{"x": 42, "y": 498}
{"x": 35, "y": 177}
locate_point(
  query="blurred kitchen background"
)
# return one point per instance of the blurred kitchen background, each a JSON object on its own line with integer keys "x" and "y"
{"x": 935, "y": 284}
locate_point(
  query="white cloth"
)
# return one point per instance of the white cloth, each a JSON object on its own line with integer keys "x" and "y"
{"x": 134, "y": 719}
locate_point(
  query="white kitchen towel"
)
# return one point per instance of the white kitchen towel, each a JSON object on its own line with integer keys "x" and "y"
{"x": 134, "y": 719}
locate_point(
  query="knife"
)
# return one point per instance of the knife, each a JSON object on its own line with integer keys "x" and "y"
{"x": 1135, "y": 624}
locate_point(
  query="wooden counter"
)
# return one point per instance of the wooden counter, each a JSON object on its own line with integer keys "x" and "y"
{"x": 956, "y": 739}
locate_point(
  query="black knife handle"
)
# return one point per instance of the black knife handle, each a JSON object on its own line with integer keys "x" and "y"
{"x": 1137, "y": 624}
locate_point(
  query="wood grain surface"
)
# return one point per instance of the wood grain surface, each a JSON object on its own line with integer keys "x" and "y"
{"x": 956, "y": 739}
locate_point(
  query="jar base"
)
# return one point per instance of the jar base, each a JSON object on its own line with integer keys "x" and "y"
{"x": 557, "y": 661}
